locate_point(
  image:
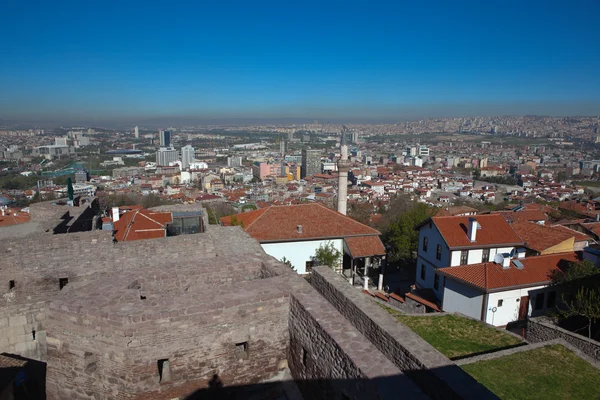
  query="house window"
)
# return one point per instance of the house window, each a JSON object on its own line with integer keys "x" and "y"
{"x": 485, "y": 256}
{"x": 164, "y": 370}
{"x": 551, "y": 302}
{"x": 425, "y": 243}
{"x": 422, "y": 272}
{"x": 438, "y": 252}
{"x": 11, "y": 285}
{"x": 500, "y": 302}
{"x": 62, "y": 282}
{"x": 539, "y": 301}
{"x": 464, "y": 257}
{"x": 309, "y": 265}
{"x": 436, "y": 281}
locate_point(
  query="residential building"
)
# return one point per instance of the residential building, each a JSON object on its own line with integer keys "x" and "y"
{"x": 542, "y": 240}
{"x": 187, "y": 156}
{"x": 135, "y": 223}
{"x": 461, "y": 240}
{"x": 505, "y": 291}
{"x": 311, "y": 162}
{"x": 234, "y": 161}
{"x": 296, "y": 232}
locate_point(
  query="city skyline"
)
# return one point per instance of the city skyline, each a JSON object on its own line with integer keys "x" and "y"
{"x": 384, "y": 62}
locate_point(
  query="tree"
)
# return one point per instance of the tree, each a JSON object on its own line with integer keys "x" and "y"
{"x": 570, "y": 277}
{"x": 70, "y": 188}
{"x": 328, "y": 255}
{"x": 236, "y": 222}
{"x": 585, "y": 303}
{"x": 401, "y": 235}
{"x": 580, "y": 294}
{"x": 288, "y": 263}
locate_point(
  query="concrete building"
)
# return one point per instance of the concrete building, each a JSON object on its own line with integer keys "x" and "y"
{"x": 164, "y": 138}
{"x": 262, "y": 170}
{"x": 234, "y": 161}
{"x": 136, "y": 132}
{"x": 166, "y": 155}
{"x": 187, "y": 156}
{"x": 283, "y": 147}
{"x": 311, "y": 162}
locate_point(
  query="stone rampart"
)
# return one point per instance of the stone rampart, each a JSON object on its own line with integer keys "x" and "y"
{"x": 330, "y": 359}
{"x": 437, "y": 376}
{"x": 542, "y": 329}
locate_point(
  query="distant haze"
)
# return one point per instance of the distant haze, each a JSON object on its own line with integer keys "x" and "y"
{"x": 137, "y": 62}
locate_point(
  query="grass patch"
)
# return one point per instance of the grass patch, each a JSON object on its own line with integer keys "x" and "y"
{"x": 551, "y": 372}
{"x": 455, "y": 336}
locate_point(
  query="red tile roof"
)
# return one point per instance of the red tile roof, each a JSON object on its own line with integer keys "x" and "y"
{"x": 539, "y": 237}
{"x": 280, "y": 223}
{"x": 13, "y": 217}
{"x": 579, "y": 237}
{"x": 493, "y": 277}
{"x": 494, "y": 231}
{"x": 455, "y": 210}
{"x": 525, "y": 215}
{"x": 139, "y": 223}
{"x": 365, "y": 246}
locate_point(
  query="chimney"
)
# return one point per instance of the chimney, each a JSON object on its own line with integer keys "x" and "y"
{"x": 299, "y": 229}
{"x": 597, "y": 217}
{"x": 2, "y": 211}
{"x": 472, "y": 229}
{"x": 115, "y": 214}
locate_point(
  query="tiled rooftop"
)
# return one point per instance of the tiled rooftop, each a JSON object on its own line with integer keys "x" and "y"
{"x": 489, "y": 276}
{"x": 494, "y": 231}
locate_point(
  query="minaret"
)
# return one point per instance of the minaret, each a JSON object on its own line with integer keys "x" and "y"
{"x": 343, "y": 167}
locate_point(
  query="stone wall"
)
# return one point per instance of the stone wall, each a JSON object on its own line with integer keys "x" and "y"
{"x": 330, "y": 359}
{"x": 408, "y": 306}
{"x": 106, "y": 342}
{"x": 437, "y": 376}
{"x": 542, "y": 329}
{"x": 35, "y": 263}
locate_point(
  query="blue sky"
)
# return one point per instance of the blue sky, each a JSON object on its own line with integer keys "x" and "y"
{"x": 313, "y": 59}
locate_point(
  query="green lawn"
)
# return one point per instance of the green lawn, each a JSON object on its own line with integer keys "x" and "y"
{"x": 456, "y": 336}
{"x": 551, "y": 372}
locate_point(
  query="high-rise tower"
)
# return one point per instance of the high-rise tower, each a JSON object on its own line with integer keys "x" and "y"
{"x": 136, "y": 132}
{"x": 165, "y": 138}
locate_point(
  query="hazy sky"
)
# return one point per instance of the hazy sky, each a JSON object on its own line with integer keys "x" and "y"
{"x": 314, "y": 59}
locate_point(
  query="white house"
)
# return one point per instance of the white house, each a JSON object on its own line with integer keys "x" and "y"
{"x": 297, "y": 231}
{"x": 503, "y": 291}
{"x": 461, "y": 240}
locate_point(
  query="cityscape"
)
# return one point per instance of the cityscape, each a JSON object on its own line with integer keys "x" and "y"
{"x": 300, "y": 226}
